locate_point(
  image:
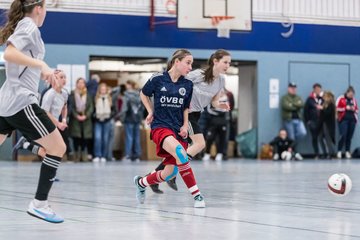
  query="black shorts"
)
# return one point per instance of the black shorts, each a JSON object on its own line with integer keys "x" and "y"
{"x": 194, "y": 127}
{"x": 32, "y": 122}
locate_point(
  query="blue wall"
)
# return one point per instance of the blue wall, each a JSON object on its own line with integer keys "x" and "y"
{"x": 315, "y": 53}
{"x": 120, "y": 30}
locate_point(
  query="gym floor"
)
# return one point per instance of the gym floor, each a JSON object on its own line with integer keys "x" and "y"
{"x": 246, "y": 199}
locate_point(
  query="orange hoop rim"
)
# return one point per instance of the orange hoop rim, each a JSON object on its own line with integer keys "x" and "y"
{"x": 215, "y": 20}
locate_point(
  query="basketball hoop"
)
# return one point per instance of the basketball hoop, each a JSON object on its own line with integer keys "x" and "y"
{"x": 222, "y": 25}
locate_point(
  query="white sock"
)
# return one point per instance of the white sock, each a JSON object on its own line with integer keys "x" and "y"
{"x": 40, "y": 204}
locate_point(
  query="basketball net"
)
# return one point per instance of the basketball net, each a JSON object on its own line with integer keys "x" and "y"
{"x": 171, "y": 6}
{"x": 222, "y": 25}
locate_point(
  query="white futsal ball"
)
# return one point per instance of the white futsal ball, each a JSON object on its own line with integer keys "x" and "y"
{"x": 285, "y": 155}
{"x": 339, "y": 184}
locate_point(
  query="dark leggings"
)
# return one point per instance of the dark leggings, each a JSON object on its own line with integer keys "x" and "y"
{"x": 316, "y": 135}
{"x": 346, "y": 131}
{"x": 216, "y": 130}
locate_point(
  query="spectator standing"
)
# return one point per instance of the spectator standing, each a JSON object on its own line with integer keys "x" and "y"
{"x": 292, "y": 105}
{"x": 132, "y": 112}
{"x": 92, "y": 85}
{"x": 312, "y": 109}
{"x": 80, "y": 123}
{"x": 347, "y": 109}
{"x": 328, "y": 122}
{"x": 103, "y": 103}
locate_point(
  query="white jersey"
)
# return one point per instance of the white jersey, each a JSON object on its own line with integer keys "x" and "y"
{"x": 203, "y": 92}
{"x": 53, "y": 102}
{"x": 22, "y": 83}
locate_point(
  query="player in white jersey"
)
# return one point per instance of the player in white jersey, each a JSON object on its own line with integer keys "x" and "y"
{"x": 54, "y": 102}
{"x": 208, "y": 89}
{"x": 19, "y": 106}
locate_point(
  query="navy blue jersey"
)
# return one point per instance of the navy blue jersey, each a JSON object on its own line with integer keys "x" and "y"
{"x": 170, "y": 100}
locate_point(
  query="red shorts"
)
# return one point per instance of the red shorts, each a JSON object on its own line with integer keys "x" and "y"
{"x": 158, "y": 135}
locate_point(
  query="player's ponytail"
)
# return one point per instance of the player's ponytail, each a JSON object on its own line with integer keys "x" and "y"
{"x": 17, "y": 11}
{"x": 178, "y": 54}
{"x": 208, "y": 71}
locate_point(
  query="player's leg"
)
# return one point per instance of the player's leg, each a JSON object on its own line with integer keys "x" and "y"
{"x": 2, "y": 138}
{"x": 34, "y": 123}
{"x": 155, "y": 177}
{"x": 210, "y": 139}
{"x": 171, "y": 181}
{"x": 177, "y": 150}
{"x": 5, "y": 130}
{"x": 31, "y": 146}
{"x": 198, "y": 144}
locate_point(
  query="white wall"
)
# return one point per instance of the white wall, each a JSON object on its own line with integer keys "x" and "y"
{"x": 247, "y": 98}
{"x": 332, "y": 12}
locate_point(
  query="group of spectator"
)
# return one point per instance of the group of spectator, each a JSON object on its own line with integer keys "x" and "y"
{"x": 93, "y": 109}
{"x": 319, "y": 115}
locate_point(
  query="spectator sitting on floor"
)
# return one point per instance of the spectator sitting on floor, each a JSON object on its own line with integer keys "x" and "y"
{"x": 283, "y": 147}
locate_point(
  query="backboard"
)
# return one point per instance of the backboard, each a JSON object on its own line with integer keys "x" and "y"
{"x": 197, "y": 14}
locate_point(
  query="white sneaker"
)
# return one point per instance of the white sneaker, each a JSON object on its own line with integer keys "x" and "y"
{"x": 298, "y": 157}
{"x": 276, "y": 157}
{"x": 102, "y": 159}
{"x": 45, "y": 213}
{"x": 96, "y": 159}
{"x": 137, "y": 160}
{"x": 339, "y": 155}
{"x": 206, "y": 157}
{"x": 19, "y": 143}
{"x": 126, "y": 159}
{"x": 199, "y": 201}
{"x": 219, "y": 157}
{"x": 140, "y": 191}
{"x": 347, "y": 155}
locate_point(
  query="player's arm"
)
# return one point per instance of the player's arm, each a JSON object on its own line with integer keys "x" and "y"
{"x": 12, "y": 54}
{"x": 185, "y": 127}
{"x": 147, "y": 102}
{"x": 186, "y": 118}
{"x": 64, "y": 113}
{"x": 59, "y": 125}
{"x": 216, "y": 103}
{"x": 149, "y": 108}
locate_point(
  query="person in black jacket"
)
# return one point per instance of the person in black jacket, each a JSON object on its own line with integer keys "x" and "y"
{"x": 283, "y": 147}
{"x": 328, "y": 122}
{"x": 313, "y": 106}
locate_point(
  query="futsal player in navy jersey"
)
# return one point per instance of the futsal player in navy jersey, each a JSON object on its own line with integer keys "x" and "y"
{"x": 208, "y": 89}
{"x": 168, "y": 116}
